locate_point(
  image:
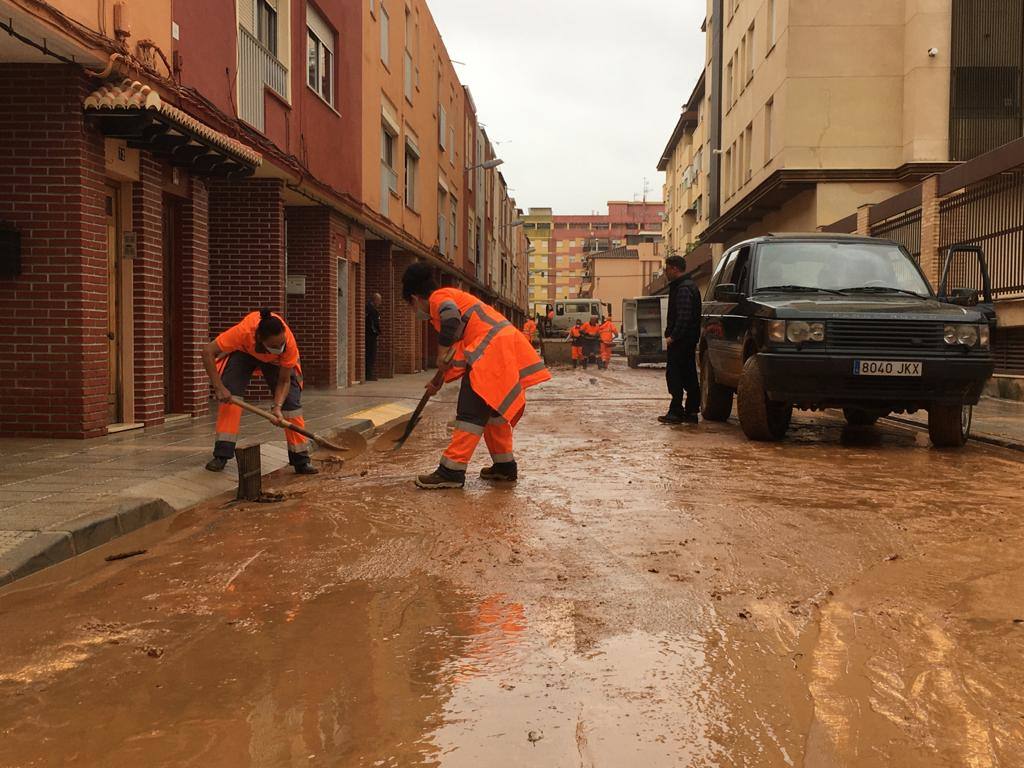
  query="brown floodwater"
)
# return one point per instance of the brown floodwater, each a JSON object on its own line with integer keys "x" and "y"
{"x": 645, "y": 596}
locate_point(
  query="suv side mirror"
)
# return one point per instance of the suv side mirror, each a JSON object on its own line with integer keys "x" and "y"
{"x": 963, "y": 297}
{"x": 726, "y": 292}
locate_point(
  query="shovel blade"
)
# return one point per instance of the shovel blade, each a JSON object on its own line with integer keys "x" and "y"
{"x": 394, "y": 437}
{"x": 341, "y": 444}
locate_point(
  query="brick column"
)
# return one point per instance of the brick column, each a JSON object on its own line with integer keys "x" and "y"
{"x": 246, "y": 242}
{"x": 313, "y": 316}
{"x": 930, "y": 261}
{"x": 195, "y": 298}
{"x": 863, "y": 220}
{"x": 54, "y": 314}
{"x": 353, "y": 244}
{"x": 380, "y": 278}
{"x": 407, "y": 329}
{"x": 148, "y": 292}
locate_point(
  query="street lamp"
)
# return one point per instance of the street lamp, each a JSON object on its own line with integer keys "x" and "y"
{"x": 487, "y": 164}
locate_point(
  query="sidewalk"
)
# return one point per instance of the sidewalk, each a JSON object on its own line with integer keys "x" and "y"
{"x": 59, "y": 498}
{"x": 995, "y": 421}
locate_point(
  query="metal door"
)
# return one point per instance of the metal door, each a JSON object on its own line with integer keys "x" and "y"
{"x": 114, "y": 389}
{"x": 342, "y": 323}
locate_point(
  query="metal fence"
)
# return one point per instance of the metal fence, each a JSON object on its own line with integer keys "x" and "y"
{"x": 258, "y": 68}
{"x": 905, "y": 229}
{"x": 989, "y": 214}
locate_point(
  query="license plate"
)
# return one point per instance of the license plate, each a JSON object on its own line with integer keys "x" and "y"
{"x": 886, "y": 368}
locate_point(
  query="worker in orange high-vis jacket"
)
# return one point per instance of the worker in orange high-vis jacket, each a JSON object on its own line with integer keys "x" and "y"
{"x": 261, "y": 341}
{"x": 530, "y": 331}
{"x": 607, "y": 332}
{"x": 576, "y": 339}
{"x": 591, "y": 341}
{"x": 496, "y": 364}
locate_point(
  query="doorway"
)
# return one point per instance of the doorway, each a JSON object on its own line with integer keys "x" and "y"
{"x": 342, "y": 311}
{"x": 115, "y": 410}
{"x": 172, "y": 330}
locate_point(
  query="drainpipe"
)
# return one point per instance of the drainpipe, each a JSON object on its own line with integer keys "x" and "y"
{"x": 715, "y": 190}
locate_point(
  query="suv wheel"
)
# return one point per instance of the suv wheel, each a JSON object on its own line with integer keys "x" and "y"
{"x": 761, "y": 418}
{"x": 856, "y": 417}
{"x": 949, "y": 426}
{"x": 715, "y": 400}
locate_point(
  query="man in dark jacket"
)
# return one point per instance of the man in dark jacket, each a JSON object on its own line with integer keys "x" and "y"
{"x": 372, "y": 332}
{"x": 681, "y": 334}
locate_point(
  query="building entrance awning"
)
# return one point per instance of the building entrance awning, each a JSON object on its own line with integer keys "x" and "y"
{"x": 136, "y": 113}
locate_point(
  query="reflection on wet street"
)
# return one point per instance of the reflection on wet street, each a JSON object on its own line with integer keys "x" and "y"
{"x": 646, "y": 596}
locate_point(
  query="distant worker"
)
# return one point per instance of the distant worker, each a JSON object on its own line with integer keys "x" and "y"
{"x": 681, "y": 334}
{"x": 530, "y": 331}
{"x": 372, "y": 334}
{"x": 576, "y": 337}
{"x": 591, "y": 341}
{"x": 261, "y": 341}
{"x": 496, "y": 366}
{"x": 607, "y": 333}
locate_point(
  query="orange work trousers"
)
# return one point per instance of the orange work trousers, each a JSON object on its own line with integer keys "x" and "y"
{"x": 474, "y": 419}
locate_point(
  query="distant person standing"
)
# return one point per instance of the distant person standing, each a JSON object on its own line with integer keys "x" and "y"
{"x": 372, "y": 333}
{"x": 607, "y": 330}
{"x": 681, "y": 334}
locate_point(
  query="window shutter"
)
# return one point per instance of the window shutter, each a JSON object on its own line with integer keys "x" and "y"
{"x": 320, "y": 28}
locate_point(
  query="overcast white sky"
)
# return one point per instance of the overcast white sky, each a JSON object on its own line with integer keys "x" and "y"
{"x": 583, "y": 94}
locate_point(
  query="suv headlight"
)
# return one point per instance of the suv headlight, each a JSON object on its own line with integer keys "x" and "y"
{"x": 800, "y": 331}
{"x": 969, "y": 336}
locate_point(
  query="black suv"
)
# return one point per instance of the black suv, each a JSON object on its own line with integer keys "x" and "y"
{"x": 834, "y": 321}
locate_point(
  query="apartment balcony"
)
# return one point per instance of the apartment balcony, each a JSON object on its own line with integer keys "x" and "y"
{"x": 258, "y": 69}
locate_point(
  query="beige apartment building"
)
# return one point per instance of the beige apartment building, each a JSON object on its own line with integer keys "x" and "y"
{"x": 685, "y": 164}
{"x": 814, "y": 109}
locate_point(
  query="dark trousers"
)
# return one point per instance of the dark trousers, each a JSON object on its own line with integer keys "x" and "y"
{"x": 371, "y": 356}
{"x": 681, "y": 376}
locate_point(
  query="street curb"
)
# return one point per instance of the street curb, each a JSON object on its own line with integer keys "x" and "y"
{"x": 999, "y": 442}
{"x": 48, "y": 547}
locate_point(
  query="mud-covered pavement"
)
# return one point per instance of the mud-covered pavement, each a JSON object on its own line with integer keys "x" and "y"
{"x": 646, "y": 596}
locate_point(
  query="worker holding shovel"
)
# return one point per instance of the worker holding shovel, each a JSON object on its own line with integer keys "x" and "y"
{"x": 496, "y": 364}
{"x": 261, "y": 341}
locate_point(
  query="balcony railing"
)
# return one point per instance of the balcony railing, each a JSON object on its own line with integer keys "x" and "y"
{"x": 258, "y": 68}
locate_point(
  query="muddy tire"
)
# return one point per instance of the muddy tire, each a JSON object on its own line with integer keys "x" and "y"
{"x": 855, "y": 417}
{"x": 632, "y": 362}
{"x": 760, "y": 418}
{"x": 715, "y": 400}
{"x": 949, "y": 426}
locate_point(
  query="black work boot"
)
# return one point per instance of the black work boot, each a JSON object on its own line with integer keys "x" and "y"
{"x": 306, "y": 469}
{"x": 442, "y": 477}
{"x": 216, "y": 464}
{"x": 502, "y": 472}
{"x": 672, "y": 418}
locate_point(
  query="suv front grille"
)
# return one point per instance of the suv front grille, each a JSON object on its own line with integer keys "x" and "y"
{"x": 879, "y": 336}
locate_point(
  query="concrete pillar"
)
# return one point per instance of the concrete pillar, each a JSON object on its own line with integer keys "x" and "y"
{"x": 148, "y": 292}
{"x": 930, "y": 258}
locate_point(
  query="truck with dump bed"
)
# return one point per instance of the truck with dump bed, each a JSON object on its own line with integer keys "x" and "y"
{"x": 816, "y": 321}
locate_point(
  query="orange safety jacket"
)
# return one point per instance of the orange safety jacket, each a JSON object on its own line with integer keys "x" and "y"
{"x": 607, "y": 330}
{"x": 530, "y": 329}
{"x": 242, "y": 338}
{"x": 502, "y": 364}
{"x": 591, "y": 330}
{"x": 577, "y": 336}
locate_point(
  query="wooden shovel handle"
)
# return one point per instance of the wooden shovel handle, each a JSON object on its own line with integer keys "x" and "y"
{"x": 272, "y": 418}
{"x": 438, "y": 379}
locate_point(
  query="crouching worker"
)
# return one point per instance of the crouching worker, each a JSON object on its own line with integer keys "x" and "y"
{"x": 261, "y": 341}
{"x": 496, "y": 364}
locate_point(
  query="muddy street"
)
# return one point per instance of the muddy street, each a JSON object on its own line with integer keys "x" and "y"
{"x": 646, "y": 595}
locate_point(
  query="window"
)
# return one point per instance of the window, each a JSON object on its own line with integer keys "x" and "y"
{"x": 408, "y": 66}
{"x": 408, "y": 77}
{"x": 769, "y": 108}
{"x": 727, "y": 174}
{"x": 442, "y": 126}
{"x": 741, "y": 64}
{"x": 750, "y": 53}
{"x": 319, "y": 55}
{"x": 451, "y": 145}
{"x": 385, "y": 36}
{"x": 442, "y": 220}
{"x": 748, "y": 144}
{"x": 455, "y": 222}
{"x": 388, "y": 176}
{"x": 412, "y": 167}
{"x": 728, "y": 85}
{"x": 771, "y": 24}
{"x": 266, "y": 25}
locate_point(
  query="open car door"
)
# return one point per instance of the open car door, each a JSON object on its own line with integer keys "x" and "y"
{"x": 964, "y": 272}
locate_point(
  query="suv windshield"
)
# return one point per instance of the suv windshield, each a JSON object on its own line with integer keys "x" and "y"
{"x": 838, "y": 267}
